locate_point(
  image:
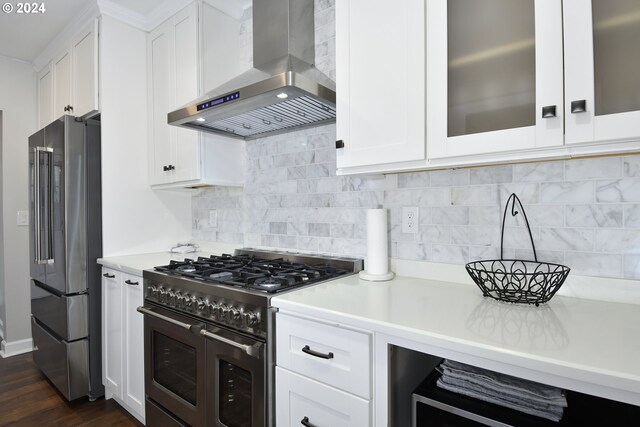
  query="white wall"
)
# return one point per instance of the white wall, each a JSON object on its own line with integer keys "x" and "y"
{"x": 135, "y": 218}
{"x": 18, "y": 102}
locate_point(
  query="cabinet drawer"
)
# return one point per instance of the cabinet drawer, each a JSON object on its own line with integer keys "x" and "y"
{"x": 299, "y": 398}
{"x": 330, "y": 354}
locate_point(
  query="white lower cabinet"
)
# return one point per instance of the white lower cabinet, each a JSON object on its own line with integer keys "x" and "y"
{"x": 123, "y": 340}
{"x": 323, "y": 373}
{"x": 303, "y": 401}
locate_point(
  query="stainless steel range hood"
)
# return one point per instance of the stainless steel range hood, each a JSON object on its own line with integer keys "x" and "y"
{"x": 283, "y": 91}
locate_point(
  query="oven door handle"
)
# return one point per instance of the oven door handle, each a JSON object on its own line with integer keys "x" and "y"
{"x": 187, "y": 326}
{"x": 251, "y": 350}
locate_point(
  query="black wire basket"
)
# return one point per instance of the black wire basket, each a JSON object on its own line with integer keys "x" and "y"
{"x": 514, "y": 280}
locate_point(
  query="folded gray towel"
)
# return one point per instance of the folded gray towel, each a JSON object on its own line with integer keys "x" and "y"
{"x": 553, "y": 415}
{"x": 503, "y": 383}
{"x": 523, "y": 395}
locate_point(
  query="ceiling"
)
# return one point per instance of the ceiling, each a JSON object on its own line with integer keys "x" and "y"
{"x": 25, "y": 36}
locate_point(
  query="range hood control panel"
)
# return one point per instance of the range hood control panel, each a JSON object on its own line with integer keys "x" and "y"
{"x": 218, "y": 101}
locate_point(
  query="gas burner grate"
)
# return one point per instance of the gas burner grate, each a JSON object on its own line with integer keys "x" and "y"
{"x": 251, "y": 272}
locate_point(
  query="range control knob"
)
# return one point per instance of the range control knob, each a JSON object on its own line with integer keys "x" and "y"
{"x": 179, "y": 299}
{"x": 188, "y": 301}
{"x": 152, "y": 291}
{"x": 200, "y": 303}
{"x": 224, "y": 310}
{"x": 251, "y": 317}
{"x": 213, "y": 309}
{"x": 234, "y": 313}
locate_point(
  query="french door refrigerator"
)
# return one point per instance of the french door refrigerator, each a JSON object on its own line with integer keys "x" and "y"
{"x": 65, "y": 240}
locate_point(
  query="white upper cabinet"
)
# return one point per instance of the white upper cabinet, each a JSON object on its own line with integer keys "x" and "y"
{"x": 602, "y": 88}
{"x": 181, "y": 157}
{"x": 69, "y": 83}
{"x": 62, "y": 84}
{"x": 84, "y": 54}
{"x": 494, "y": 76}
{"x": 45, "y": 96}
{"x": 380, "y": 57}
{"x": 159, "y": 66}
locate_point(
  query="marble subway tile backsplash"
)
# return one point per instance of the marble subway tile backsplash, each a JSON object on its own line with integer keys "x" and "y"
{"x": 584, "y": 213}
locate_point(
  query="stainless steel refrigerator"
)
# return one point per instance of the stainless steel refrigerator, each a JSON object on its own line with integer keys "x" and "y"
{"x": 65, "y": 241}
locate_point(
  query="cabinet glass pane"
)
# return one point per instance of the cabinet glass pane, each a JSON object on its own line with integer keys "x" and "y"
{"x": 491, "y": 65}
{"x": 616, "y": 55}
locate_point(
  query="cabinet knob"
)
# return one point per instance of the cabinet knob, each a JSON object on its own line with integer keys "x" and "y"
{"x": 109, "y": 276}
{"x": 339, "y": 144}
{"x": 165, "y": 168}
{"x": 171, "y": 167}
{"x": 129, "y": 282}
{"x": 549, "y": 111}
{"x": 579, "y": 106}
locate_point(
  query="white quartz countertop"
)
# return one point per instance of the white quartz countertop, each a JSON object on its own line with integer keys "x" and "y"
{"x": 588, "y": 341}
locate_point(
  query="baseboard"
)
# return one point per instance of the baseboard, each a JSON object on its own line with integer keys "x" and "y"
{"x": 14, "y": 348}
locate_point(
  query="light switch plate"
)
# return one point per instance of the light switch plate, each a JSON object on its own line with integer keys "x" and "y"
{"x": 22, "y": 218}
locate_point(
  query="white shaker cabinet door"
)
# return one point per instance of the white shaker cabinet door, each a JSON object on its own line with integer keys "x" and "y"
{"x": 186, "y": 149}
{"x": 159, "y": 81}
{"x": 45, "y": 96}
{"x": 133, "y": 343}
{"x": 112, "y": 328}
{"x": 85, "y": 70}
{"x": 380, "y": 68}
{"x": 62, "y": 84}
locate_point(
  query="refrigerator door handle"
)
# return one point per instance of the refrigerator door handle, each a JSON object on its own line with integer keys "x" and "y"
{"x": 36, "y": 205}
{"x": 40, "y": 258}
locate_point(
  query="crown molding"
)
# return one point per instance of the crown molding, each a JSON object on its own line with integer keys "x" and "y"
{"x": 167, "y": 9}
{"x": 121, "y": 13}
{"x": 161, "y": 13}
{"x": 229, "y": 7}
{"x": 90, "y": 12}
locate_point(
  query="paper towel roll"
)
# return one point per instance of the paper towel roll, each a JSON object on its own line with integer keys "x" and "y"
{"x": 377, "y": 263}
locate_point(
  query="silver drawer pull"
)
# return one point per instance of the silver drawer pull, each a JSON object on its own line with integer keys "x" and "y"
{"x": 308, "y": 350}
{"x": 188, "y": 327}
{"x": 253, "y": 351}
{"x": 305, "y": 422}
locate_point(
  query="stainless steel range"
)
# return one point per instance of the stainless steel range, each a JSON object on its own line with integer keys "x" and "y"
{"x": 209, "y": 334}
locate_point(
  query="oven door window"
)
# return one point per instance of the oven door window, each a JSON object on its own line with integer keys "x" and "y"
{"x": 174, "y": 366}
{"x": 234, "y": 400}
{"x": 237, "y": 395}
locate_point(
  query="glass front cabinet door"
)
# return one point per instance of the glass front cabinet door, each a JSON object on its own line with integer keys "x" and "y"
{"x": 494, "y": 76}
{"x": 602, "y": 59}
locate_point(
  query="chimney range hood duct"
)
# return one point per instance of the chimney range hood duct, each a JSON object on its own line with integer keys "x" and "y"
{"x": 283, "y": 91}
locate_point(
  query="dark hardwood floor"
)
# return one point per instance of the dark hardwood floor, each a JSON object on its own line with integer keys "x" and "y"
{"x": 28, "y": 399}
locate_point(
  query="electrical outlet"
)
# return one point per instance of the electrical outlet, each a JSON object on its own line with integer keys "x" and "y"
{"x": 213, "y": 218}
{"x": 410, "y": 219}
